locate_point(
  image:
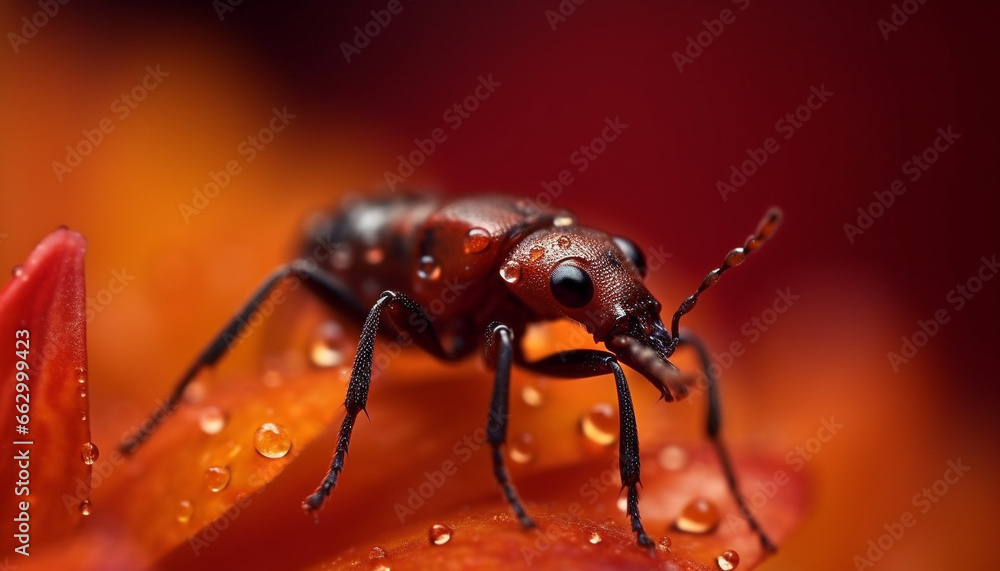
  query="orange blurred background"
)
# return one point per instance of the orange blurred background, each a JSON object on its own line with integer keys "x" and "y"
{"x": 211, "y": 82}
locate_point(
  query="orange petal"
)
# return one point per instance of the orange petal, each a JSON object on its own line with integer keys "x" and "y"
{"x": 580, "y": 525}
{"x": 205, "y": 465}
{"x": 43, "y": 326}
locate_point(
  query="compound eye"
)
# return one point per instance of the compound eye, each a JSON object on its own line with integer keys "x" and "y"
{"x": 571, "y": 286}
{"x": 633, "y": 253}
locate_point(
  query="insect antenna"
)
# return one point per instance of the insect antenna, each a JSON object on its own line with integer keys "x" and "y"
{"x": 735, "y": 257}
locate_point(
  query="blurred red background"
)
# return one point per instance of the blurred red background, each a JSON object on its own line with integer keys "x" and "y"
{"x": 657, "y": 182}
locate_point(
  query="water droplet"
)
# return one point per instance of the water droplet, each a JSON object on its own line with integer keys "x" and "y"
{"x": 382, "y": 567}
{"x": 564, "y": 242}
{"x": 17, "y": 271}
{"x": 376, "y": 553}
{"x": 440, "y": 534}
{"x": 86, "y": 507}
{"x": 81, "y": 375}
{"x": 271, "y": 378}
{"x": 374, "y": 255}
{"x": 536, "y": 252}
{"x": 89, "y": 453}
{"x": 511, "y": 272}
{"x": 212, "y": 420}
{"x": 664, "y": 543}
{"x": 326, "y": 345}
{"x": 600, "y": 425}
{"x": 595, "y": 538}
{"x": 428, "y": 269}
{"x": 622, "y": 504}
{"x": 521, "y": 448}
{"x": 728, "y": 561}
{"x": 699, "y": 516}
{"x": 532, "y": 396}
{"x": 562, "y": 219}
{"x": 477, "y": 240}
{"x": 195, "y": 392}
{"x": 272, "y": 440}
{"x": 217, "y": 478}
{"x": 340, "y": 259}
{"x": 184, "y": 511}
{"x": 673, "y": 458}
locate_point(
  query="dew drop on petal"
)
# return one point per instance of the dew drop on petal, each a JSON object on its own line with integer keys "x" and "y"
{"x": 595, "y": 538}
{"x": 532, "y": 396}
{"x": 428, "y": 269}
{"x": 562, "y": 219}
{"x": 217, "y": 478}
{"x": 477, "y": 240}
{"x": 564, "y": 242}
{"x": 623, "y": 504}
{"x": 536, "y": 252}
{"x": 600, "y": 425}
{"x": 374, "y": 255}
{"x": 89, "y": 453}
{"x": 521, "y": 448}
{"x": 376, "y": 553}
{"x": 17, "y": 271}
{"x": 86, "y": 507}
{"x": 272, "y": 440}
{"x": 511, "y": 272}
{"x": 699, "y": 516}
{"x": 439, "y": 534}
{"x": 728, "y": 561}
{"x": 382, "y": 567}
{"x": 195, "y": 392}
{"x": 212, "y": 420}
{"x": 81, "y": 375}
{"x": 672, "y": 458}
{"x": 325, "y": 350}
{"x": 185, "y": 510}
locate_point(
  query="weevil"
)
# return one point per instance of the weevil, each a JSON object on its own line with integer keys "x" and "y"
{"x": 510, "y": 263}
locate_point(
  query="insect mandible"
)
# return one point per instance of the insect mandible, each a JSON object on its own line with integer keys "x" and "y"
{"x": 387, "y": 257}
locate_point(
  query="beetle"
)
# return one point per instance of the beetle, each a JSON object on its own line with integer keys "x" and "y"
{"x": 392, "y": 256}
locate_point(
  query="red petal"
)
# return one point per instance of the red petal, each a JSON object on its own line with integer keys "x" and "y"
{"x": 44, "y": 306}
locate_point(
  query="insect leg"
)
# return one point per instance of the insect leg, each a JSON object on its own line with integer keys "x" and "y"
{"x": 581, "y": 363}
{"x": 409, "y": 318}
{"x": 331, "y": 291}
{"x": 499, "y": 340}
{"x": 713, "y": 426}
